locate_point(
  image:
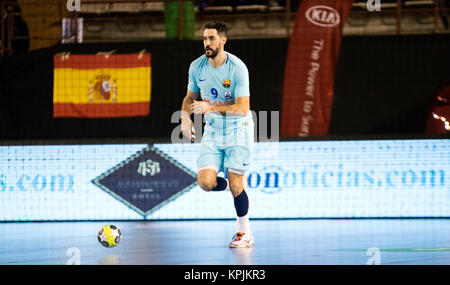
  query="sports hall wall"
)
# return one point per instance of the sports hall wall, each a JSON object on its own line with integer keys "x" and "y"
{"x": 390, "y": 97}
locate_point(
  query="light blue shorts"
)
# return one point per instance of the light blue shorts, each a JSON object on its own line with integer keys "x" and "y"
{"x": 227, "y": 148}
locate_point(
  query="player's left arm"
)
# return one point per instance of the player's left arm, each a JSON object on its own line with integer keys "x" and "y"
{"x": 241, "y": 105}
{"x": 240, "y": 108}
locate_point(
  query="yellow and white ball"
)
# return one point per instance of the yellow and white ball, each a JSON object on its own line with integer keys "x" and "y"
{"x": 109, "y": 236}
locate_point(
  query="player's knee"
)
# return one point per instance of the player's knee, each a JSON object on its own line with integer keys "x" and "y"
{"x": 236, "y": 186}
{"x": 207, "y": 184}
{"x": 236, "y": 192}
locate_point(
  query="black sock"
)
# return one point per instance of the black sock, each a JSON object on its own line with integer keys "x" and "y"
{"x": 241, "y": 204}
{"x": 221, "y": 184}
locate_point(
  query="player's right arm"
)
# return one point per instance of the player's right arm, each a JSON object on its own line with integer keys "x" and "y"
{"x": 193, "y": 92}
{"x": 187, "y": 126}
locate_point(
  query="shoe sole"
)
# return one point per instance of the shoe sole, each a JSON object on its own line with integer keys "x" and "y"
{"x": 241, "y": 246}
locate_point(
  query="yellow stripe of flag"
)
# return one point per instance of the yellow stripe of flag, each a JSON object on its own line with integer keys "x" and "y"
{"x": 79, "y": 86}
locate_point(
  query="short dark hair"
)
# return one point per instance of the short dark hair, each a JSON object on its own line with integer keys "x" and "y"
{"x": 220, "y": 27}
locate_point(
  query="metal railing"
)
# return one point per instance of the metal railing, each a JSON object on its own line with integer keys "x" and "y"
{"x": 401, "y": 8}
{"x": 44, "y": 18}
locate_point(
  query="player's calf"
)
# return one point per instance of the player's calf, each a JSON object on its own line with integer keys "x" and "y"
{"x": 238, "y": 183}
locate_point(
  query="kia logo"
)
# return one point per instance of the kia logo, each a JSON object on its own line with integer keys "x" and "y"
{"x": 323, "y": 16}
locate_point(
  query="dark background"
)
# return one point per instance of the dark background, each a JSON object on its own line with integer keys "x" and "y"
{"x": 383, "y": 86}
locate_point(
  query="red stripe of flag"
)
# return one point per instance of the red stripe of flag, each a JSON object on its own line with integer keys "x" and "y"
{"x": 90, "y": 61}
{"x": 103, "y": 110}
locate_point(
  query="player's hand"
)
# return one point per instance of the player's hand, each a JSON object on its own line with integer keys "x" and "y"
{"x": 200, "y": 107}
{"x": 187, "y": 129}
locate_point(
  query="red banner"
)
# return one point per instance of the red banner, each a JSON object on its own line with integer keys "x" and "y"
{"x": 310, "y": 65}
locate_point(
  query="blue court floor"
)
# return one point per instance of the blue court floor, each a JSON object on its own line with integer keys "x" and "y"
{"x": 277, "y": 242}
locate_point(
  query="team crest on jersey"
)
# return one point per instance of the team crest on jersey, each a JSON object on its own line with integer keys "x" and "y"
{"x": 226, "y": 83}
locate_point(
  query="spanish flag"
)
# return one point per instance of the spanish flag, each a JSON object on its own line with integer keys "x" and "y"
{"x": 102, "y": 85}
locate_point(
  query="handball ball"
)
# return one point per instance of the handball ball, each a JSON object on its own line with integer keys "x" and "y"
{"x": 109, "y": 236}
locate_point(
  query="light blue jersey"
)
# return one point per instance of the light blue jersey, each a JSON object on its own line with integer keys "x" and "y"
{"x": 227, "y": 140}
{"x": 220, "y": 86}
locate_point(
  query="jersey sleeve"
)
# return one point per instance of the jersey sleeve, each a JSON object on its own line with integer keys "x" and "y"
{"x": 192, "y": 81}
{"x": 242, "y": 88}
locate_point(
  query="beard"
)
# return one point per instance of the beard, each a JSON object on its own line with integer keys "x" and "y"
{"x": 212, "y": 53}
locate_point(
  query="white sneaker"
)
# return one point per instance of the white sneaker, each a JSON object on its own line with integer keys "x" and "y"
{"x": 242, "y": 240}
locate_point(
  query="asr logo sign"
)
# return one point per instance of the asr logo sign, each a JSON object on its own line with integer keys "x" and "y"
{"x": 149, "y": 167}
{"x": 147, "y": 181}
